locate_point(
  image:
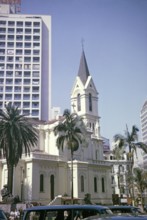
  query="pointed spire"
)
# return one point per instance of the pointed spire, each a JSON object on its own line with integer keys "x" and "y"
{"x": 83, "y": 72}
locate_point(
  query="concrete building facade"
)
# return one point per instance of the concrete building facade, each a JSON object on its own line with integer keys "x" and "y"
{"x": 25, "y": 62}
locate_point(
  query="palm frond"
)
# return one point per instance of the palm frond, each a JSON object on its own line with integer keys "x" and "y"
{"x": 142, "y": 146}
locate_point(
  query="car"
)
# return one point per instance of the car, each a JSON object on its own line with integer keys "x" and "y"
{"x": 2, "y": 215}
{"x": 117, "y": 218}
{"x": 62, "y": 212}
{"x": 125, "y": 209}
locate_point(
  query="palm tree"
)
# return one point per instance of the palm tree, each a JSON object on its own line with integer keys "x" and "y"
{"x": 139, "y": 178}
{"x": 130, "y": 141}
{"x": 71, "y": 134}
{"x": 17, "y": 135}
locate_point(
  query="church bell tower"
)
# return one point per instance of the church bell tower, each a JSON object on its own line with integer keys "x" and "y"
{"x": 84, "y": 98}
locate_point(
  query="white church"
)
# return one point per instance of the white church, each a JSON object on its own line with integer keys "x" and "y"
{"x": 45, "y": 175}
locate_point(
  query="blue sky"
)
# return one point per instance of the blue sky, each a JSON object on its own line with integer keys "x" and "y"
{"x": 115, "y": 45}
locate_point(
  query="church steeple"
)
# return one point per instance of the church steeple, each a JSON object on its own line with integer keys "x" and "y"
{"x": 83, "y": 72}
{"x": 84, "y": 97}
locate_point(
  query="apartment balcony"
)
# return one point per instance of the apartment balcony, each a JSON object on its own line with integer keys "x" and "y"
{"x": 10, "y": 37}
{"x": 2, "y": 23}
{"x": 2, "y": 30}
{"x": 26, "y": 106}
{"x": 35, "y": 105}
{"x": 35, "y": 97}
{"x": 17, "y": 97}
{"x": 9, "y": 74}
{"x": 17, "y": 89}
{"x": 18, "y": 52}
{"x": 2, "y": 51}
{"x": 11, "y": 23}
{"x": 8, "y": 97}
{"x": 27, "y": 45}
{"x": 19, "y": 45}
{"x": 2, "y": 37}
{"x": 1, "y": 73}
{"x": 19, "y": 37}
{"x": 28, "y": 24}
{"x": 36, "y": 24}
{"x": 2, "y": 59}
{"x": 17, "y": 82}
{"x": 9, "y": 82}
{"x": 26, "y": 89}
{"x": 9, "y": 66}
{"x": 2, "y": 44}
{"x": 9, "y": 90}
{"x": 26, "y": 97}
{"x": 27, "y": 82}
{"x": 35, "y": 112}
{"x": 10, "y": 30}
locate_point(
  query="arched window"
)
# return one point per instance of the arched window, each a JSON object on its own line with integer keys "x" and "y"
{"x": 79, "y": 102}
{"x": 103, "y": 184}
{"x": 90, "y": 102}
{"x": 89, "y": 124}
{"x": 52, "y": 186}
{"x": 95, "y": 184}
{"x": 82, "y": 183}
{"x": 41, "y": 183}
{"x": 93, "y": 126}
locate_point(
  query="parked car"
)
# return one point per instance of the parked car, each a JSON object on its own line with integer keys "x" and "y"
{"x": 2, "y": 215}
{"x": 65, "y": 212}
{"x": 118, "y": 217}
{"x": 124, "y": 209}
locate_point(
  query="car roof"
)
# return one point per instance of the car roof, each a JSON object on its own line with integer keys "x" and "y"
{"x": 117, "y": 218}
{"x": 60, "y": 207}
{"x": 123, "y": 206}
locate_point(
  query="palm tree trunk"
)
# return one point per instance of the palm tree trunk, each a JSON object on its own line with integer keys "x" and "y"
{"x": 133, "y": 193}
{"x": 10, "y": 178}
{"x": 72, "y": 199}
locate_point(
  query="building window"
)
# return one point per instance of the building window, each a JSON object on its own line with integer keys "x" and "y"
{"x": 90, "y": 102}
{"x": 95, "y": 184}
{"x": 41, "y": 183}
{"x": 82, "y": 183}
{"x": 122, "y": 190}
{"x": 103, "y": 184}
{"x": 79, "y": 102}
{"x": 93, "y": 126}
{"x": 112, "y": 180}
{"x": 52, "y": 186}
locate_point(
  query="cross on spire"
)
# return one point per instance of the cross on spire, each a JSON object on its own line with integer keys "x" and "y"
{"x": 82, "y": 42}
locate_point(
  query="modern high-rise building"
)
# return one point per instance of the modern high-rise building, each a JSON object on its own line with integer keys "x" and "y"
{"x": 25, "y": 61}
{"x": 143, "y": 117}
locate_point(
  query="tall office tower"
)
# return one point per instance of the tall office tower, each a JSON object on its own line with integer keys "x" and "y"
{"x": 144, "y": 122}
{"x": 25, "y": 60}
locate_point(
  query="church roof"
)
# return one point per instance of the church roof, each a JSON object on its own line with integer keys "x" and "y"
{"x": 83, "y": 69}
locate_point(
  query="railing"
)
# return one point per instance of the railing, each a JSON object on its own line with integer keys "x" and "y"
{"x": 101, "y": 162}
{"x": 43, "y": 156}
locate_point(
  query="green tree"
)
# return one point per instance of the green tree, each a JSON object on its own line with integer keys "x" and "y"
{"x": 17, "y": 136}
{"x": 128, "y": 143}
{"x": 139, "y": 180}
{"x": 71, "y": 134}
{"x": 87, "y": 198}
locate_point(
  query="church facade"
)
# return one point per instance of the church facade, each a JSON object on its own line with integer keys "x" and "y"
{"x": 46, "y": 173}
